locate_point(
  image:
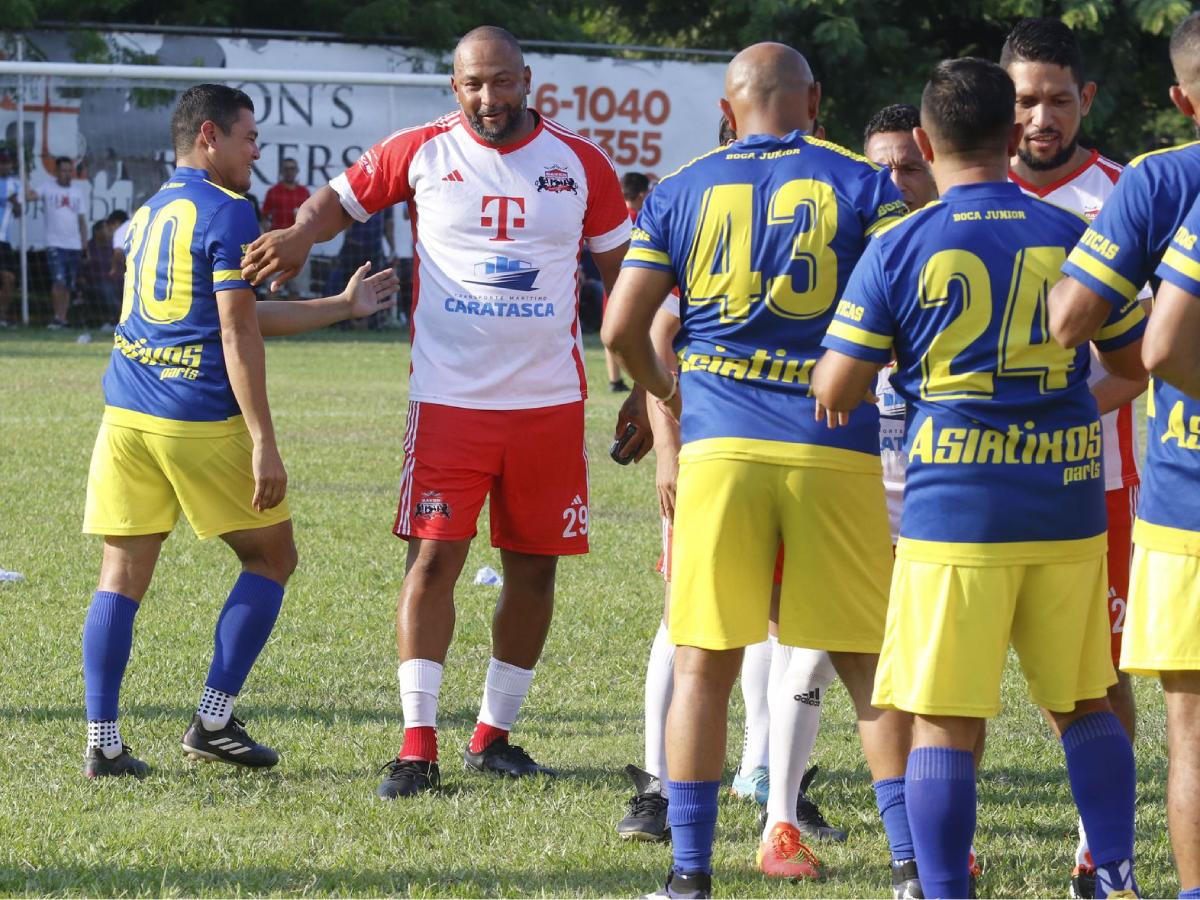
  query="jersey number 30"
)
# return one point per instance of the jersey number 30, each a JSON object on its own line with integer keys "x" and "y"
{"x": 158, "y": 272}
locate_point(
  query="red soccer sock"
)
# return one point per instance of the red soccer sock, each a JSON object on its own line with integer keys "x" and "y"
{"x": 419, "y": 743}
{"x": 485, "y": 735}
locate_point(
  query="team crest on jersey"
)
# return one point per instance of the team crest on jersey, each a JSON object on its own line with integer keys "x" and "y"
{"x": 432, "y": 505}
{"x": 556, "y": 180}
{"x": 503, "y": 272}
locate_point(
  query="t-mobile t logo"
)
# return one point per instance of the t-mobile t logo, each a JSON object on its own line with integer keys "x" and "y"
{"x": 503, "y": 219}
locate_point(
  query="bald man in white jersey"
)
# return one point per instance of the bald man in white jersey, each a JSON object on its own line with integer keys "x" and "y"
{"x": 503, "y": 200}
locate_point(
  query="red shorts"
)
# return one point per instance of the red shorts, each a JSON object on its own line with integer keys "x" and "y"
{"x": 532, "y": 463}
{"x": 1122, "y": 508}
{"x": 664, "y": 561}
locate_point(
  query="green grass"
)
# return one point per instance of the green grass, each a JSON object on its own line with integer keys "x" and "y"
{"x": 324, "y": 692}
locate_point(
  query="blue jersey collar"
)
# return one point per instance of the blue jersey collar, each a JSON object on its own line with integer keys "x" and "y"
{"x": 1003, "y": 190}
{"x": 189, "y": 172}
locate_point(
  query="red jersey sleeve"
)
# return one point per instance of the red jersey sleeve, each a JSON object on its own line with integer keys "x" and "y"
{"x": 606, "y": 219}
{"x": 380, "y": 178}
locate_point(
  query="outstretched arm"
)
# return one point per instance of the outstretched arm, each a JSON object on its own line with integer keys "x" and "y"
{"x": 362, "y": 297}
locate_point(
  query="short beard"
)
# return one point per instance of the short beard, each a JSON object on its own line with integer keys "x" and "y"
{"x": 516, "y": 118}
{"x": 1062, "y": 157}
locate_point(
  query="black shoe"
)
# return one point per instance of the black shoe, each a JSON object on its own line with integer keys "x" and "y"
{"x": 647, "y": 816}
{"x": 406, "y": 777}
{"x": 97, "y": 765}
{"x": 812, "y": 824}
{"x": 686, "y": 886}
{"x": 504, "y": 758}
{"x": 906, "y": 885}
{"x": 618, "y": 387}
{"x": 230, "y": 744}
{"x": 1083, "y": 882}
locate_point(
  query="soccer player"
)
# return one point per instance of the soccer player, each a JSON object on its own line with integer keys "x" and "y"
{"x": 503, "y": 199}
{"x": 1002, "y": 534}
{"x": 760, "y": 237}
{"x": 888, "y": 141}
{"x": 187, "y": 426}
{"x": 1045, "y": 62}
{"x": 1129, "y": 242}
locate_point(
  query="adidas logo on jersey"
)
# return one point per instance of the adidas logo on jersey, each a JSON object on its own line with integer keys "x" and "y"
{"x": 453, "y": 176}
{"x": 577, "y": 501}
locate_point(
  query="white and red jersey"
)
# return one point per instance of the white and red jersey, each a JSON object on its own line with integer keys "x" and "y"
{"x": 498, "y": 232}
{"x": 1084, "y": 191}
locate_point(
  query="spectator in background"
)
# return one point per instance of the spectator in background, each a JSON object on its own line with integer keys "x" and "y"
{"x": 279, "y": 211}
{"x": 63, "y": 202}
{"x": 100, "y": 288}
{"x": 10, "y": 211}
{"x": 118, "y": 226}
{"x": 634, "y": 186}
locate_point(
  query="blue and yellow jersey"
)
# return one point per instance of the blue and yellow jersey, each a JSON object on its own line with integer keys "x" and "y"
{"x": 1122, "y": 248}
{"x": 167, "y": 372}
{"x": 761, "y": 236}
{"x": 1003, "y": 436}
{"x": 1168, "y": 514}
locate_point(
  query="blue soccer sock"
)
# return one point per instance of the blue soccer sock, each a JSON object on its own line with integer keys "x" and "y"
{"x": 889, "y": 797}
{"x": 692, "y": 814}
{"x": 107, "y": 640}
{"x": 242, "y": 630}
{"x": 940, "y": 794}
{"x": 1103, "y": 780}
{"x": 1190, "y": 894}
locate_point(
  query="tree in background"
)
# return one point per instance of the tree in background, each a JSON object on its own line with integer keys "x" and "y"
{"x": 867, "y": 53}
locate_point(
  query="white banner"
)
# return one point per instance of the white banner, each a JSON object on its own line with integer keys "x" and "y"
{"x": 649, "y": 116}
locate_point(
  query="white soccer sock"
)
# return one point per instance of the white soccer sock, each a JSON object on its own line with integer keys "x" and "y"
{"x": 756, "y": 672}
{"x": 503, "y": 693}
{"x": 795, "y": 717}
{"x": 215, "y": 708}
{"x": 1082, "y": 851}
{"x": 660, "y": 682}
{"x": 420, "y": 684}
{"x": 106, "y": 735}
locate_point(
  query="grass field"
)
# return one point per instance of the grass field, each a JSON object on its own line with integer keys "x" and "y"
{"x": 324, "y": 692}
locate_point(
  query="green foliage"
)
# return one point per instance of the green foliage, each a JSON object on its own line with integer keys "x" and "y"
{"x": 867, "y": 53}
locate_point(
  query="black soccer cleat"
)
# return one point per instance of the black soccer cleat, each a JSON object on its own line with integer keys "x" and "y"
{"x": 97, "y": 765}
{"x": 230, "y": 744}
{"x": 406, "y": 777}
{"x": 808, "y": 817}
{"x": 1083, "y": 882}
{"x": 906, "y": 884}
{"x": 502, "y": 758}
{"x": 647, "y": 816}
{"x": 685, "y": 886}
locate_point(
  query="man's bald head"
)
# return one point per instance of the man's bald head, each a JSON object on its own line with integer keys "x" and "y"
{"x": 769, "y": 87}
{"x": 492, "y": 40}
{"x": 1185, "y": 54}
{"x": 762, "y": 71}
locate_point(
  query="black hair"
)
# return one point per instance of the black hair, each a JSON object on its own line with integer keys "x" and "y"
{"x": 1044, "y": 40}
{"x": 202, "y": 103}
{"x": 117, "y": 217}
{"x": 59, "y": 160}
{"x": 633, "y": 185}
{"x": 897, "y": 117}
{"x": 1185, "y": 51}
{"x": 968, "y": 105}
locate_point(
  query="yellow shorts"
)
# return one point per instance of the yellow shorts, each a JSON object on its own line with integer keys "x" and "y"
{"x": 1162, "y": 620}
{"x": 139, "y": 481}
{"x": 729, "y": 518}
{"x": 949, "y": 628}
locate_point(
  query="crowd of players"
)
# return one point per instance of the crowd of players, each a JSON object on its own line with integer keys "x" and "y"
{"x": 820, "y": 309}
